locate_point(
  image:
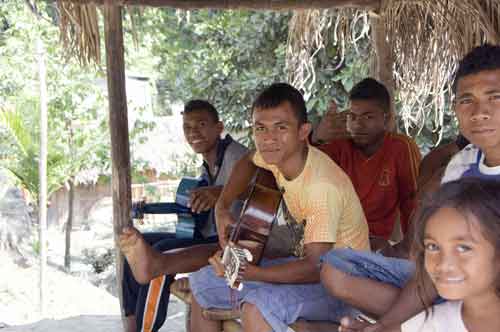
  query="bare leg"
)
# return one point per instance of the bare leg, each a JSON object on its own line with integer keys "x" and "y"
{"x": 200, "y": 323}
{"x": 252, "y": 319}
{"x": 131, "y": 323}
{"x": 370, "y": 296}
{"x": 302, "y": 325}
{"x": 147, "y": 263}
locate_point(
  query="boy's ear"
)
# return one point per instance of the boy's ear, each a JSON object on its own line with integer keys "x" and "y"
{"x": 390, "y": 121}
{"x": 304, "y": 131}
{"x": 220, "y": 127}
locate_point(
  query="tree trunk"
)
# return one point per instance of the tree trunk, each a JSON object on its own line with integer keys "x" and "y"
{"x": 69, "y": 225}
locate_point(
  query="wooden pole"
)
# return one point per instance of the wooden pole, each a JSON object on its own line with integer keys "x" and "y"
{"x": 42, "y": 174}
{"x": 384, "y": 59}
{"x": 118, "y": 124}
{"x": 243, "y": 4}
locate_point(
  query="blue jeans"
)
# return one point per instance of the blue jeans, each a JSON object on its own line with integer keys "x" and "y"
{"x": 365, "y": 264}
{"x": 279, "y": 304}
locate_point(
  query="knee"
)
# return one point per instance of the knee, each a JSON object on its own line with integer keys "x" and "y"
{"x": 249, "y": 312}
{"x": 335, "y": 281}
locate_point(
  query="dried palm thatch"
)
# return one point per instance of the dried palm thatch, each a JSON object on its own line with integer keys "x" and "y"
{"x": 307, "y": 34}
{"x": 428, "y": 38}
{"x": 79, "y": 27}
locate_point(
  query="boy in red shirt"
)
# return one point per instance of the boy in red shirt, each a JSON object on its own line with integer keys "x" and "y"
{"x": 383, "y": 166}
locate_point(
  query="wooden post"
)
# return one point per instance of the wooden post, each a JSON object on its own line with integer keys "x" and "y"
{"x": 384, "y": 61}
{"x": 42, "y": 174}
{"x": 118, "y": 125}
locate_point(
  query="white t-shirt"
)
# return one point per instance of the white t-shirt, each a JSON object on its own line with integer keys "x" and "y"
{"x": 468, "y": 159}
{"x": 444, "y": 317}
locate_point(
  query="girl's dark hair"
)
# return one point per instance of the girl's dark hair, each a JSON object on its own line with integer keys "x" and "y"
{"x": 470, "y": 197}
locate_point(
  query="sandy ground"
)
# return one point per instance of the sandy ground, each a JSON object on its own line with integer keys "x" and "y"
{"x": 74, "y": 303}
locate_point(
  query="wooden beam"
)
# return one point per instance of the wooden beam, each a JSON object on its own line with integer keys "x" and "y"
{"x": 243, "y": 4}
{"x": 118, "y": 126}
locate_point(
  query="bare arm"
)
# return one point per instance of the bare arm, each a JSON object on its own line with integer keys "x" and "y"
{"x": 304, "y": 270}
{"x": 331, "y": 126}
{"x": 236, "y": 185}
{"x": 406, "y": 306}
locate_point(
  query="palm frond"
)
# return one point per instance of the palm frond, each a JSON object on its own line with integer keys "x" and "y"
{"x": 13, "y": 122}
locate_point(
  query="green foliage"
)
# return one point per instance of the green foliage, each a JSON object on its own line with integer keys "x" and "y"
{"x": 99, "y": 259}
{"x": 228, "y": 56}
{"x": 77, "y": 135}
{"x": 222, "y": 56}
{"x": 35, "y": 245}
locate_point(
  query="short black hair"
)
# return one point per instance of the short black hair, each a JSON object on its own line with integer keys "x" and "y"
{"x": 480, "y": 58}
{"x": 201, "y": 105}
{"x": 278, "y": 93}
{"x": 371, "y": 89}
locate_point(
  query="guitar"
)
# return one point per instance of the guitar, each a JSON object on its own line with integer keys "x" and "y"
{"x": 249, "y": 236}
{"x": 187, "y": 221}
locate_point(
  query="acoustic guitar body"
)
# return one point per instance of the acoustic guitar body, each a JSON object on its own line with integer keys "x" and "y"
{"x": 253, "y": 227}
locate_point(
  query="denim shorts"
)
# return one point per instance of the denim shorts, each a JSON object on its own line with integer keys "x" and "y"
{"x": 365, "y": 264}
{"x": 279, "y": 304}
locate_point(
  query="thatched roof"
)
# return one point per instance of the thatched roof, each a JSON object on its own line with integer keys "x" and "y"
{"x": 240, "y": 4}
{"x": 427, "y": 38}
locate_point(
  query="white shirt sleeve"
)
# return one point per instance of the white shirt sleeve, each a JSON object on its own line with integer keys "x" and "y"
{"x": 460, "y": 163}
{"x": 444, "y": 317}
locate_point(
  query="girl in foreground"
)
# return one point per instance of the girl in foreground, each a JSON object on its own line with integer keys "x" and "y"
{"x": 457, "y": 248}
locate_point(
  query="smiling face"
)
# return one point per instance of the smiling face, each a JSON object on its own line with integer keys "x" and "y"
{"x": 366, "y": 122}
{"x": 477, "y": 107}
{"x": 459, "y": 259}
{"x": 278, "y": 136}
{"x": 201, "y": 131}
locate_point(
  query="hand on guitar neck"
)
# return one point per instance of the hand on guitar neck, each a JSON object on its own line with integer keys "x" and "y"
{"x": 224, "y": 221}
{"x": 204, "y": 198}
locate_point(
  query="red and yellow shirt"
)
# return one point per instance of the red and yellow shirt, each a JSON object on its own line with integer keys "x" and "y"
{"x": 386, "y": 182}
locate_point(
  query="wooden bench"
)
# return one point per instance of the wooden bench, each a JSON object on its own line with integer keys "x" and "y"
{"x": 230, "y": 318}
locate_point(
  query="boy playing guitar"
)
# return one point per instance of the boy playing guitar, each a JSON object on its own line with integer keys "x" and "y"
{"x": 317, "y": 193}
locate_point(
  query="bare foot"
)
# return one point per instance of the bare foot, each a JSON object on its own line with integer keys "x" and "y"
{"x": 140, "y": 255}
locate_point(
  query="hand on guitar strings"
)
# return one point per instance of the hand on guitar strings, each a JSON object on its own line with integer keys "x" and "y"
{"x": 204, "y": 198}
